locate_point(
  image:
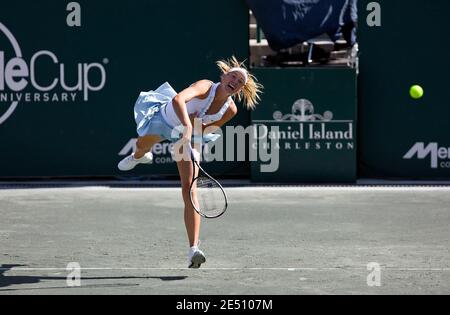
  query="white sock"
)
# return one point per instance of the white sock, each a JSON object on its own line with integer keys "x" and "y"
{"x": 137, "y": 159}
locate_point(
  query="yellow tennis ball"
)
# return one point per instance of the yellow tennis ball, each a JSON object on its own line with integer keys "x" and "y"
{"x": 416, "y": 91}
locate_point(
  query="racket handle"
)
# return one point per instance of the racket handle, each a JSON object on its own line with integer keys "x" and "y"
{"x": 195, "y": 155}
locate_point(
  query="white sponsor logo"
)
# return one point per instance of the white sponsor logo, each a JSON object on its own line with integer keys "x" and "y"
{"x": 431, "y": 150}
{"x": 303, "y": 129}
{"x": 303, "y": 110}
{"x": 17, "y": 75}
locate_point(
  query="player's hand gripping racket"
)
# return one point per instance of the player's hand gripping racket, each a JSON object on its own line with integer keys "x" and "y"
{"x": 207, "y": 195}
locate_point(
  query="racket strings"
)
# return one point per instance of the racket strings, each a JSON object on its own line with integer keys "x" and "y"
{"x": 210, "y": 197}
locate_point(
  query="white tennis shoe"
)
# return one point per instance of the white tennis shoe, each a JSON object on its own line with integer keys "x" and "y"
{"x": 130, "y": 162}
{"x": 196, "y": 257}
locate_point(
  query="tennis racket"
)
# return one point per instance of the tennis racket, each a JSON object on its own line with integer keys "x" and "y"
{"x": 207, "y": 195}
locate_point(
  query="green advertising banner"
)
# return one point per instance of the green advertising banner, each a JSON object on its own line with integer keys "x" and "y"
{"x": 402, "y": 43}
{"x": 309, "y": 116}
{"x": 70, "y": 73}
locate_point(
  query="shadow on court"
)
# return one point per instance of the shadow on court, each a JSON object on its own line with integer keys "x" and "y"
{"x": 6, "y": 281}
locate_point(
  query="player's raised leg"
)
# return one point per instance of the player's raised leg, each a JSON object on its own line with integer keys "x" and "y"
{"x": 142, "y": 153}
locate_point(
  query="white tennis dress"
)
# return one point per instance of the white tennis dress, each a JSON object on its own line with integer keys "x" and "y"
{"x": 154, "y": 113}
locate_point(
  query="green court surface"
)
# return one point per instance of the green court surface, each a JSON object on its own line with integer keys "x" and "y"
{"x": 271, "y": 240}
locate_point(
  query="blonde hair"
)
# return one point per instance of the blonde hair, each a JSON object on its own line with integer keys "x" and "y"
{"x": 251, "y": 90}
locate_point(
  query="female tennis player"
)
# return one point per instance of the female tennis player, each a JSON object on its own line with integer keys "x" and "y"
{"x": 158, "y": 112}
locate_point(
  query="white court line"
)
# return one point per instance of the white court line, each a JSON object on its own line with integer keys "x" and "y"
{"x": 268, "y": 188}
{"x": 342, "y": 188}
{"x": 315, "y": 188}
{"x": 385, "y": 188}
{"x": 228, "y": 269}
